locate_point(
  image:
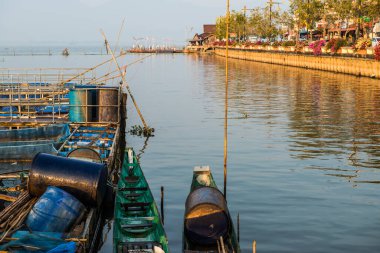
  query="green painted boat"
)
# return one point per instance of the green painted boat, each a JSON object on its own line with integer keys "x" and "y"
{"x": 208, "y": 227}
{"x": 137, "y": 225}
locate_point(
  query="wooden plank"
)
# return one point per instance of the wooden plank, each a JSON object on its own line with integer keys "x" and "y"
{"x": 7, "y": 198}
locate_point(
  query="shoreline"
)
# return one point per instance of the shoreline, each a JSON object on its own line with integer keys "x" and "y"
{"x": 360, "y": 67}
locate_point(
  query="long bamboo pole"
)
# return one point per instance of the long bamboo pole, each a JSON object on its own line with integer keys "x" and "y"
{"x": 226, "y": 103}
{"x": 117, "y": 43}
{"x": 125, "y": 83}
{"x": 86, "y": 71}
{"x": 106, "y": 75}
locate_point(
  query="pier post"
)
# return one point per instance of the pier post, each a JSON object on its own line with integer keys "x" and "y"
{"x": 162, "y": 206}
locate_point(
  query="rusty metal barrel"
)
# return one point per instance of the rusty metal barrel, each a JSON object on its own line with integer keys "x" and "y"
{"x": 108, "y": 104}
{"x": 206, "y": 216}
{"x": 87, "y": 181}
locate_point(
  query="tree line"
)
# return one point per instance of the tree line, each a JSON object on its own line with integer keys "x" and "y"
{"x": 268, "y": 22}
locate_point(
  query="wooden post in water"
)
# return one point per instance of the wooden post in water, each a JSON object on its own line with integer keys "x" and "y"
{"x": 238, "y": 227}
{"x": 254, "y": 246}
{"x": 162, "y": 205}
{"x": 226, "y": 103}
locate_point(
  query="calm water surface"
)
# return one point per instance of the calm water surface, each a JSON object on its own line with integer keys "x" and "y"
{"x": 304, "y": 147}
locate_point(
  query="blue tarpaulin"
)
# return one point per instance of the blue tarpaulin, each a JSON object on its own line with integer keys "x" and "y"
{"x": 40, "y": 242}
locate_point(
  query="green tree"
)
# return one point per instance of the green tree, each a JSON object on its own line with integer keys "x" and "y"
{"x": 374, "y": 9}
{"x": 220, "y": 27}
{"x": 369, "y": 11}
{"x": 237, "y": 23}
{"x": 287, "y": 19}
{"x": 339, "y": 11}
{"x": 307, "y": 13}
{"x": 263, "y": 23}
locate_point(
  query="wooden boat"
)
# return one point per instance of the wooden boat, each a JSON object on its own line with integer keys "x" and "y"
{"x": 137, "y": 225}
{"x": 208, "y": 227}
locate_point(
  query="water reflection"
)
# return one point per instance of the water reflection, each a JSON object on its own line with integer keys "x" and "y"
{"x": 325, "y": 115}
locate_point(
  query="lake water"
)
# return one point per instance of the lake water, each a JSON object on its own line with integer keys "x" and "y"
{"x": 304, "y": 147}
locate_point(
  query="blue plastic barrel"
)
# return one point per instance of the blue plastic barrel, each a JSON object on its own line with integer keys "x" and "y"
{"x": 55, "y": 211}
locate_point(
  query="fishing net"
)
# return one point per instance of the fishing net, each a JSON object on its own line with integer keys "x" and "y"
{"x": 25, "y": 151}
{"x": 56, "y": 132}
{"x": 24, "y": 144}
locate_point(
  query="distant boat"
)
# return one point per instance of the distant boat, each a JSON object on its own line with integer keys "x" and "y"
{"x": 65, "y": 52}
{"x": 208, "y": 225}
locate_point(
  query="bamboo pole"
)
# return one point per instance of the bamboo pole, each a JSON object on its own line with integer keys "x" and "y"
{"x": 226, "y": 103}
{"x": 102, "y": 81}
{"x": 117, "y": 43}
{"x": 88, "y": 70}
{"x": 7, "y": 198}
{"x": 127, "y": 65}
{"x": 222, "y": 244}
{"x": 254, "y": 246}
{"x": 125, "y": 83}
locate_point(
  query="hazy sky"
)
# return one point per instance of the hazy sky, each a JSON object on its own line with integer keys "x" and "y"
{"x": 46, "y": 22}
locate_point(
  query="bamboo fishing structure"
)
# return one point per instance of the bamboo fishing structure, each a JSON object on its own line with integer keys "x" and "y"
{"x": 117, "y": 43}
{"x": 126, "y": 84}
{"x": 105, "y": 77}
{"x": 25, "y": 94}
{"x": 90, "y": 69}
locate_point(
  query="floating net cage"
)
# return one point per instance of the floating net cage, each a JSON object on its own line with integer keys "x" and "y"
{"x": 49, "y": 95}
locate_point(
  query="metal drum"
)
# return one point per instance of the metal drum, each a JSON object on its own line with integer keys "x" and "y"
{"x": 83, "y": 100}
{"x": 108, "y": 101}
{"x": 85, "y": 154}
{"x": 206, "y": 216}
{"x": 87, "y": 181}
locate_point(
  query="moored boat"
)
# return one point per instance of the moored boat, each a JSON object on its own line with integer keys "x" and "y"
{"x": 137, "y": 223}
{"x": 208, "y": 227}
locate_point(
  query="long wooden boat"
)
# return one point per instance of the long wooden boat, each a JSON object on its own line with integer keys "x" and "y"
{"x": 208, "y": 227}
{"x": 137, "y": 224}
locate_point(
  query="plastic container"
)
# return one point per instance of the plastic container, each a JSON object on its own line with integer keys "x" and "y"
{"x": 55, "y": 211}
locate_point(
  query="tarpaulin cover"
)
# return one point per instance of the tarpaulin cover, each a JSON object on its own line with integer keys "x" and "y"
{"x": 41, "y": 242}
{"x": 55, "y": 132}
{"x": 25, "y": 143}
{"x": 25, "y": 152}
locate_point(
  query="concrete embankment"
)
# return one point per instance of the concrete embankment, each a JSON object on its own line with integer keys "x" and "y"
{"x": 345, "y": 65}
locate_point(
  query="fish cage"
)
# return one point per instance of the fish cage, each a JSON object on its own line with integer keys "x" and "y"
{"x": 29, "y": 97}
